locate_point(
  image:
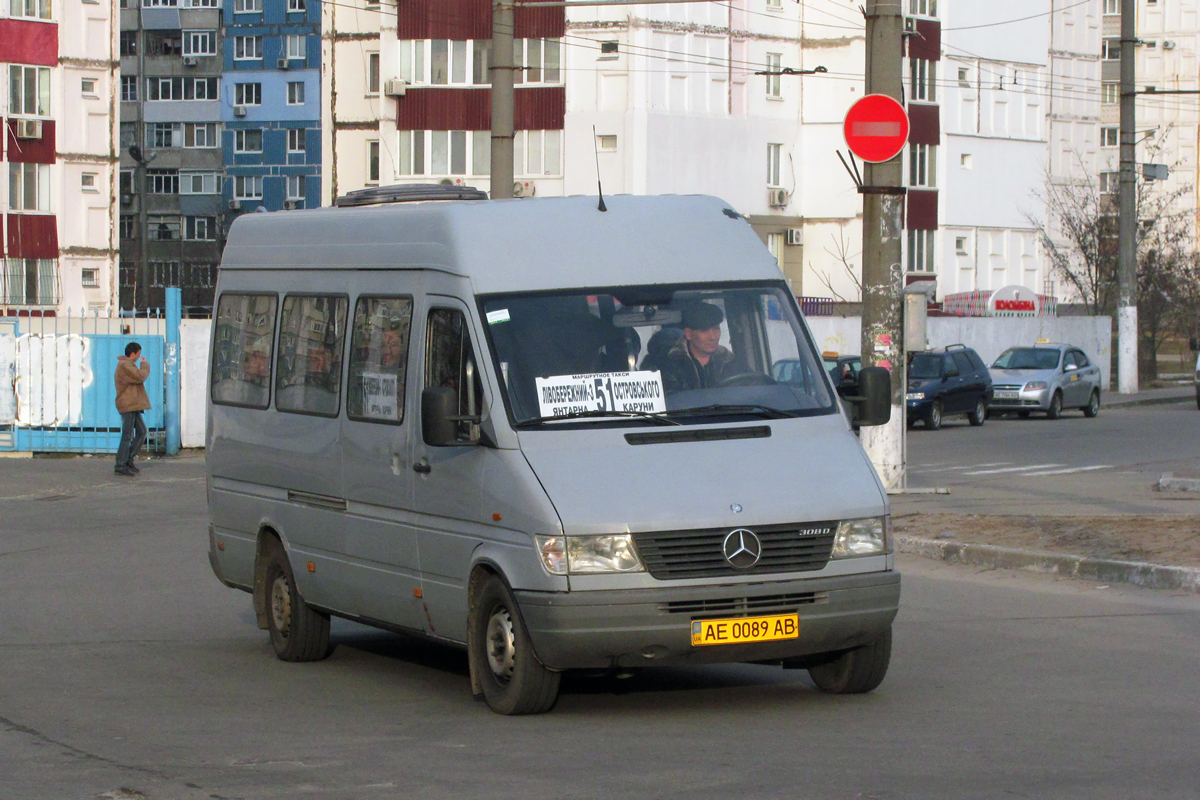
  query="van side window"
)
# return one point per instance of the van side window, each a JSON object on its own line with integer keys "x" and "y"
{"x": 379, "y": 359}
{"x": 450, "y": 361}
{"x": 965, "y": 367}
{"x": 241, "y": 364}
{"x": 312, "y": 330}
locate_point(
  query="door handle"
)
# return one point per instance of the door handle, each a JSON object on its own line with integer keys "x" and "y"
{"x": 422, "y": 466}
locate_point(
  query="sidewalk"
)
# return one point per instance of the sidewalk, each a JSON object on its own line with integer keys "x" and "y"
{"x": 1146, "y": 397}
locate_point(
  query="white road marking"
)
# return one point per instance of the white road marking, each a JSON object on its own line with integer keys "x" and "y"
{"x": 1013, "y": 469}
{"x": 1067, "y": 471}
{"x": 961, "y": 466}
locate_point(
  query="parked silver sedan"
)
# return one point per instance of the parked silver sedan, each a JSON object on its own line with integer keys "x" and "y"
{"x": 1046, "y": 377}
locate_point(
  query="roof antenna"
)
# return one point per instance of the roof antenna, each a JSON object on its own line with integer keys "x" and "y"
{"x": 599, "y": 186}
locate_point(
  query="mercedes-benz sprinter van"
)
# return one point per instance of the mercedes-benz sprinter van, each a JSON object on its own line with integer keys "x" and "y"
{"x": 556, "y": 436}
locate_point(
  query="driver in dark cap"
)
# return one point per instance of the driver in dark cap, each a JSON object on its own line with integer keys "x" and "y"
{"x": 697, "y": 360}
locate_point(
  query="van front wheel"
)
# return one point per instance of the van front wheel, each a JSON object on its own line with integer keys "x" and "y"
{"x": 855, "y": 671}
{"x": 501, "y": 656}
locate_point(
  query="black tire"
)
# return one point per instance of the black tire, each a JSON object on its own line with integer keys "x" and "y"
{"x": 1055, "y": 409}
{"x": 855, "y": 671}
{"x": 1198, "y": 399}
{"x": 979, "y": 415}
{"x": 1023, "y": 414}
{"x": 298, "y": 633}
{"x": 503, "y": 664}
{"x": 933, "y": 417}
{"x": 1093, "y": 406}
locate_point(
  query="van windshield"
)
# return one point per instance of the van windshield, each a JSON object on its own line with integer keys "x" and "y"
{"x": 663, "y": 354}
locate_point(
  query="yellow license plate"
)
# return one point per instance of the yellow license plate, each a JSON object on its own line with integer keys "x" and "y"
{"x": 745, "y": 629}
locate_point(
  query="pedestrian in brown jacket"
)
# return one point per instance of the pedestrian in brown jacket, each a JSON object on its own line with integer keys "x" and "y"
{"x": 132, "y": 400}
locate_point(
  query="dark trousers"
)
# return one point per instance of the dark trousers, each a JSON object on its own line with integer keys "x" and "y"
{"x": 133, "y": 435}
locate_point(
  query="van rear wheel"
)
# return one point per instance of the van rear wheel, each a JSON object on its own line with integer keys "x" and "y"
{"x": 855, "y": 671}
{"x": 298, "y": 633}
{"x": 502, "y": 661}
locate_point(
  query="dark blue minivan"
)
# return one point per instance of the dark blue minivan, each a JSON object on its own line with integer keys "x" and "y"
{"x": 948, "y": 382}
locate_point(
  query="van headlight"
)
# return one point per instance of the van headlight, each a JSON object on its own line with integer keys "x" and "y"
{"x": 584, "y": 555}
{"x": 862, "y": 537}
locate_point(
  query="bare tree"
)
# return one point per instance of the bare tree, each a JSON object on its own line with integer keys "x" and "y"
{"x": 841, "y": 251}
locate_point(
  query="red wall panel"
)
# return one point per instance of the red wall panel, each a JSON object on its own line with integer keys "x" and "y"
{"x": 536, "y": 108}
{"x": 32, "y": 236}
{"x": 472, "y": 19}
{"x": 29, "y": 151}
{"x": 922, "y": 210}
{"x": 924, "y": 124}
{"x": 25, "y": 42}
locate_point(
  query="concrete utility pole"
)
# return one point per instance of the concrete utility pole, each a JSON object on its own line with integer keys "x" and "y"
{"x": 503, "y": 23}
{"x": 883, "y": 227}
{"x": 1127, "y": 314}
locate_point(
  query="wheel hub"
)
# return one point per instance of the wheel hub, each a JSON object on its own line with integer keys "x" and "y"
{"x": 281, "y": 605}
{"x": 501, "y": 644}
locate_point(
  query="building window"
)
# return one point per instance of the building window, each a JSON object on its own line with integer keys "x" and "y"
{"x": 30, "y": 9}
{"x": 200, "y": 134}
{"x": 90, "y": 278}
{"x": 295, "y": 187}
{"x": 247, "y": 48}
{"x": 923, "y": 79}
{"x": 960, "y": 245}
{"x": 128, "y": 134}
{"x": 1110, "y": 93}
{"x": 162, "y": 181}
{"x": 181, "y": 88}
{"x": 30, "y": 281}
{"x": 29, "y": 90}
{"x": 1112, "y": 6}
{"x": 247, "y": 6}
{"x": 129, "y": 226}
{"x": 200, "y": 229}
{"x": 964, "y": 78}
{"x": 775, "y": 5}
{"x": 201, "y": 3}
{"x": 373, "y": 161}
{"x": 1110, "y": 137}
{"x": 129, "y": 43}
{"x": 163, "y": 227}
{"x": 247, "y": 94}
{"x": 774, "y": 164}
{"x": 542, "y": 60}
{"x": 295, "y": 5}
{"x": 1110, "y": 49}
{"x": 296, "y": 46}
{"x": 606, "y": 143}
{"x": 922, "y": 164}
{"x": 164, "y": 273}
{"x": 1109, "y": 182}
{"x": 160, "y": 3}
{"x": 297, "y": 140}
{"x": 199, "y": 43}
{"x": 164, "y": 134}
{"x": 247, "y": 187}
{"x": 539, "y": 153}
{"x": 536, "y": 154}
{"x": 126, "y": 181}
{"x": 923, "y": 8}
{"x": 87, "y": 182}
{"x": 129, "y": 87}
{"x": 295, "y": 93}
{"x": 163, "y": 43}
{"x": 197, "y": 183}
{"x": 247, "y": 141}
{"x": 28, "y": 187}
{"x": 774, "y": 81}
{"x": 372, "y": 73}
{"x": 445, "y": 62}
{"x": 920, "y": 251}
{"x": 87, "y": 87}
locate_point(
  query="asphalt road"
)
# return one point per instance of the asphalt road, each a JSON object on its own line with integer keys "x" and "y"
{"x": 124, "y": 664}
{"x": 1072, "y": 465}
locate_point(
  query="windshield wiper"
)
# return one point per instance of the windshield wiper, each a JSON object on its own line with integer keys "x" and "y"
{"x": 596, "y": 414}
{"x": 725, "y": 409}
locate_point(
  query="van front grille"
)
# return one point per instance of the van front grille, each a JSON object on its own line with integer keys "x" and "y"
{"x": 798, "y": 547}
{"x": 746, "y": 606}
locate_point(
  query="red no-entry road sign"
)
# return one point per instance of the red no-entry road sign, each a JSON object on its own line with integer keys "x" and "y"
{"x": 876, "y": 128}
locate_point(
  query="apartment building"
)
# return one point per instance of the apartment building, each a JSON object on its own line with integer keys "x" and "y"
{"x": 58, "y": 240}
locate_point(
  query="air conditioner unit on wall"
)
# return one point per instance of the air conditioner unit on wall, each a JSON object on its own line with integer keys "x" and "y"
{"x": 190, "y": 61}
{"x": 794, "y": 237}
{"x": 1168, "y": 44}
{"x": 239, "y": 111}
{"x": 29, "y": 129}
{"x": 395, "y": 87}
{"x": 289, "y": 205}
{"x": 524, "y": 189}
{"x": 283, "y": 63}
{"x": 777, "y": 198}
{"x": 234, "y": 205}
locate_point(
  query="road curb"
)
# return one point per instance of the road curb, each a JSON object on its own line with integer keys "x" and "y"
{"x": 1138, "y": 573}
{"x": 1143, "y": 401}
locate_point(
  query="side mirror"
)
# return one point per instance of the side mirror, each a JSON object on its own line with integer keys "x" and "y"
{"x": 1070, "y": 367}
{"x": 951, "y": 373}
{"x": 874, "y": 404}
{"x": 440, "y": 418}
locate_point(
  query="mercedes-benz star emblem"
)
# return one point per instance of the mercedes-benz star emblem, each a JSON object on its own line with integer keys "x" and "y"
{"x": 742, "y": 548}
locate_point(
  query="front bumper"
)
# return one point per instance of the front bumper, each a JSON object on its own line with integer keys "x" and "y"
{"x": 1031, "y": 400}
{"x": 651, "y": 627}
